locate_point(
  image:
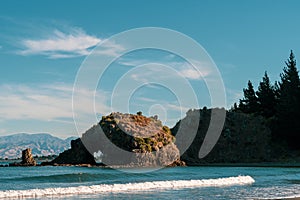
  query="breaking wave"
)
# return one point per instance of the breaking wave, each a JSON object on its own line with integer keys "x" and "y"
{"x": 128, "y": 187}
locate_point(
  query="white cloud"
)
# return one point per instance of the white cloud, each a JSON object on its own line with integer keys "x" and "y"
{"x": 109, "y": 48}
{"x": 23, "y": 102}
{"x": 145, "y": 99}
{"x": 190, "y": 74}
{"x": 77, "y": 41}
{"x": 175, "y": 107}
{"x": 43, "y": 103}
{"x": 197, "y": 72}
{"x": 72, "y": 43}
{"x": 132, "y": 62}
{"x": 183, "y": 69}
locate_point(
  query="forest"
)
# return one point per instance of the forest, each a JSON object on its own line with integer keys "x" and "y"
{"x": 278, "y": 103}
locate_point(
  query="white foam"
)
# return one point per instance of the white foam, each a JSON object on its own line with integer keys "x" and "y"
{"x": 282, "y": 197}
{"x": 128, "y": 187}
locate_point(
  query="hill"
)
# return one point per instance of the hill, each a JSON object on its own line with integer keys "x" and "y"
{"x": 245, "y": 138}
{"x": 42, "y": 144}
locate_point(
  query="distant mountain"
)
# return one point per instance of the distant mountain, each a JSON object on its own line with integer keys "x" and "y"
{"x": 42, "y": 144}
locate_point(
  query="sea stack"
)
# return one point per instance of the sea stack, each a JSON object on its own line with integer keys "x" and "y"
{"x": 27, "y": 159}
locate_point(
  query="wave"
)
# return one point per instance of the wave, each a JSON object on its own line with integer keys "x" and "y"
{"x": 291, "y": 197}
{"x": 128, "y": 187}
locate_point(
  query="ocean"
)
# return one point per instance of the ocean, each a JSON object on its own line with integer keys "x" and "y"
{"x": 73, "y": 182}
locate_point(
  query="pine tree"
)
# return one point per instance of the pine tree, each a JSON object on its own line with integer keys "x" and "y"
{"x": 235, "y": 107}
{"x": 276, "y": 90}
{"x": 290, "y": 76}
{"x": 266, "y": 97}
{"x": 288, "y": 109}
{"x": 249, "y": 103}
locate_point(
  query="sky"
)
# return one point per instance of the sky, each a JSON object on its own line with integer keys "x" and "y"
{"x": 44, "y": 46}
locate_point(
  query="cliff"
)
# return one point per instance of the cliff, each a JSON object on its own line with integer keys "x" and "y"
{"x": 244, "y": 139}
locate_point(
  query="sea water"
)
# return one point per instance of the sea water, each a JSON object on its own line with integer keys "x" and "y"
{"x": 50, "y": 182}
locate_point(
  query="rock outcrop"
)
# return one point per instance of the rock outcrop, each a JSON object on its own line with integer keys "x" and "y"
{"x": 77, "y": 155}
{"x": 244, "y": 139}
{"x": 27, "y": 159}
{"x": 125, "y": 140}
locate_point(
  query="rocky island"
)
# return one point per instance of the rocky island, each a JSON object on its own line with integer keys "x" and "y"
{"x": 134, "y": 140}
{"x": 27, "y": 160}
{"x": 128, "y": 140}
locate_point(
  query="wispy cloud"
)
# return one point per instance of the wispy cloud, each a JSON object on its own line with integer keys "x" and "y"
{"x": 185, "y": 69}
{"x": 145, "y": 99}
{"x": 109, "y": 48}
{"x": 182, "y": 69}
{"x": 190, "y": 74}
{"x": 175, "y": 107}
{"x": 43, "y": 103}
{"x": 69, "y": 43}
{"x": 132, "y": 62}
{"x": 199, "y": 71}
{"x": 23, "y": 102}
{"x": 60, "y": 45}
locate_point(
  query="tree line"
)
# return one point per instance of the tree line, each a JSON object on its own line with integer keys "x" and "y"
{"x": 279, "y": 103}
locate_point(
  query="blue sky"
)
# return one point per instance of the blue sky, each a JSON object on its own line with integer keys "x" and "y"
{"x": 43, "y": 44}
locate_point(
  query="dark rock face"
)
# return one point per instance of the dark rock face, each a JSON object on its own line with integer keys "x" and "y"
{"x": 244, "y": 139}
{"x": 27, "y": 159}
{"x": 78, "y": 154}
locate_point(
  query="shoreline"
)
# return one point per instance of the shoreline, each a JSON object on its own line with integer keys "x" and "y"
{"x": 262, "y": 164}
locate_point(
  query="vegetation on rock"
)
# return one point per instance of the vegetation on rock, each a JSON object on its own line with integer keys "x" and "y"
{"x": 136, "y": 133}
{"x": 140, "y": 141}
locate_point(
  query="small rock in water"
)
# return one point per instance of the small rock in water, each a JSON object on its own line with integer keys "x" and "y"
{"x": 27, "y": 159}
